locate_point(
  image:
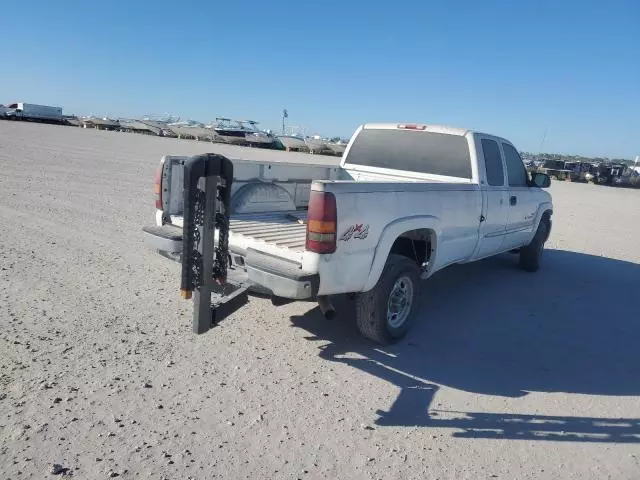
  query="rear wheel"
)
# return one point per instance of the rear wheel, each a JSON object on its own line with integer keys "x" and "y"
{"x": 531, "y": 255}
{"x": 385, "y": 313}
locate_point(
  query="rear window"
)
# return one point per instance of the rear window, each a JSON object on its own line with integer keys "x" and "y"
{"x": 413, "y": 151}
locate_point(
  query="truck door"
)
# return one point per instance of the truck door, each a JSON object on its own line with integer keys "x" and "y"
{"x": 495, "y": 201}
{"x": 522, "y": 210}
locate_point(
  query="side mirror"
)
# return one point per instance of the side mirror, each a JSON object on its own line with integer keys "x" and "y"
{"x": 541, "y": 180}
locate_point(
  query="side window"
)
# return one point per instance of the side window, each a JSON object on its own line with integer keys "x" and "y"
{"x": 515, "y": 167}
{"x": 493, "y": 162}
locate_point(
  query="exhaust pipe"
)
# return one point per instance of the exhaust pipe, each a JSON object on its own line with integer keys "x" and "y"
{"x": 326, "y": 307}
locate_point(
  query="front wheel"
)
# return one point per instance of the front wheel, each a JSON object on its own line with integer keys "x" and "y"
{"x": 531, "y": 255}
{"x": 385, "y": 313}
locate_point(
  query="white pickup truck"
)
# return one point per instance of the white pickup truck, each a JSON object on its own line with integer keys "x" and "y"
{"x": 406, "y": 201}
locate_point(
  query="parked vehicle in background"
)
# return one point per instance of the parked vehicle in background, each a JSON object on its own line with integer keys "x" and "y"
{"x": 625, "y": 176}
{"x": 100, "y": 123}
{"x": 608, "y": 173}
{"x": 241, "y": 132}
{"x": 317, "y": 144}
{"x": 337, "y": 148}
{"x": 410, "y": 201}
{"x": 293, "y": 142}
{"x": 579, "y": 170}
{"x": 229, "y": 130}
{"x": 256, "y": 137}
{"x": 555, "y": 169}
{"x": 31, "y": 111}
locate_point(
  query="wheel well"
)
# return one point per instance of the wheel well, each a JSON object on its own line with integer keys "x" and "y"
{"x": 418, "y": 245}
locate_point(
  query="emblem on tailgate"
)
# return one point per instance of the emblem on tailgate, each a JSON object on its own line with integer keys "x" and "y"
{"x": 359, "y": 231}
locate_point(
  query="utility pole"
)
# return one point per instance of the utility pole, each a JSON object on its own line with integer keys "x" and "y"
{"x": 544, "y": 137}
{"x": 285, "y": 114}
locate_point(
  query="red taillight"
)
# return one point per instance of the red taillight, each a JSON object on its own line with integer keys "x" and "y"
{"x": 321, "y": 223}
{"x": 157, "y": 187}
{"x": 411, "y": 126}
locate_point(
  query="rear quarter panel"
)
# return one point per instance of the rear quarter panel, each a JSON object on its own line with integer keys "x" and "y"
{"x": 372, "y": 216}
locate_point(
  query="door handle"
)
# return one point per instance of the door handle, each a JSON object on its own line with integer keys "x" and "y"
{"x": 513, "y": 200}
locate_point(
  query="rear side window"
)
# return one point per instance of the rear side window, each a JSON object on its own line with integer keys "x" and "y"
{"x": 412, "y": 151}
{"x": 493, "y": 162}
{"x": 515, "y": 168}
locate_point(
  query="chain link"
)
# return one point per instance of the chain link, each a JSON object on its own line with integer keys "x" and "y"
{"x": 220, "y": 262}
{"x": 194, "y": 234}
{"x": 221, "y": 251}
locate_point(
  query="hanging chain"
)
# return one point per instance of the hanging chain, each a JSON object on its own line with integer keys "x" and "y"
{"x": 221, "y": 256}
{"x": 221, "y": 250}
{"x": 198, "y": 220}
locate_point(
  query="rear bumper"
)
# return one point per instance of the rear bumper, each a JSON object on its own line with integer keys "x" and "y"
{"x": 280, "y": 277}
{"x": 166, "y": 238}
{"x": 268, "y": 274}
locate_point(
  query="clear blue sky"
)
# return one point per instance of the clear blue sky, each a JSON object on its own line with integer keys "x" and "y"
{"x": 512, "y": 67}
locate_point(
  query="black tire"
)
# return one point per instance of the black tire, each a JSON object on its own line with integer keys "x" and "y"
{"x": 531, "y": 255}
{"x": 372, "y": 306}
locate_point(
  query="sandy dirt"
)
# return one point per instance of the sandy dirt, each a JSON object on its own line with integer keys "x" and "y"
{"x": 507, "y": 374}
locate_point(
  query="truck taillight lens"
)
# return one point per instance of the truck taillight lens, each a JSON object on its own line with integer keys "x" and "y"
{"x": 321, "y": 223}
{"x": 157, "y": 187}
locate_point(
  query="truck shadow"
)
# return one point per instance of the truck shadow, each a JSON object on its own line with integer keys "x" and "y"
{"x": 492, "y": 329}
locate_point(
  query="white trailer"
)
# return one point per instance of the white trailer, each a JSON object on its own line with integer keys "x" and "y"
{"x": 31, "y": 111}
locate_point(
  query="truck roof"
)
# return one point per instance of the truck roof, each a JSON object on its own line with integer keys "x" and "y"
{"x": 427, "y": 127}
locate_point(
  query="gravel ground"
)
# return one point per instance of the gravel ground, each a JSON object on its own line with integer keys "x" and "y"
{"x": 508, "y": 374}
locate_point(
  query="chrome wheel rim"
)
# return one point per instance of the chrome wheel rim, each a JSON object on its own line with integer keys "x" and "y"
{"x": 400, "y": 301}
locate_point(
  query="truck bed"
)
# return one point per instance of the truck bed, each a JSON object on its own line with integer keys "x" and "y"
{"x": 272, "y": 220}
{"x": 282, "y": 234}
{"x": 295, "y": 178}
{"x": 280, "y": 229}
